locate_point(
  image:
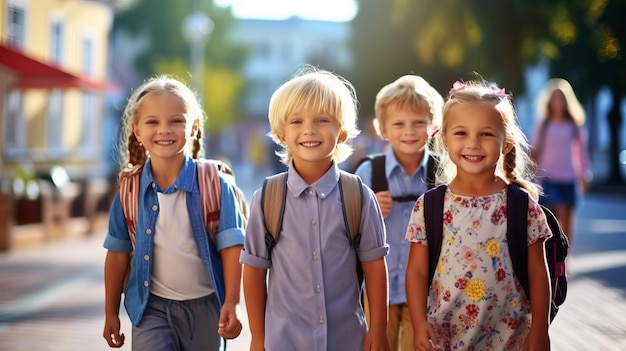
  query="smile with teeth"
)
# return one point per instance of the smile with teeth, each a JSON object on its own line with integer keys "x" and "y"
{"x": 164, "y": 142}
{"x": 310, "y": 143}
{"x": 472, "y": 158}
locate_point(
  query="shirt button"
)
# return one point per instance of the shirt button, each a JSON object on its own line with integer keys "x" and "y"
{"x": 148, "y": 231}
{"x": 321, "y": 320}
{"x": 154, "y": 207}
{"x": 153, "y": 185}
{"x": 313, "y": 222}
{"x": 315, "y": 257}
{"x": 310, "y": 192}
{"x": 145, "y": 283}
{"x": 146, "y": 257}
{"x": 318, "y": 289}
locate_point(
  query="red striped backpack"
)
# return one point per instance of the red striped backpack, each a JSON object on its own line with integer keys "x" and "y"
{"x": 210, "y": 192}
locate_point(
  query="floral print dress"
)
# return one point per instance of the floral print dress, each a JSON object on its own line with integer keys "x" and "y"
{"x": 475, "y": 302}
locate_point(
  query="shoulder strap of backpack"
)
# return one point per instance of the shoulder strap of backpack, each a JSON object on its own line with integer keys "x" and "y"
{"x": 517, "y": 232}
{"x": 273, "y": 198}
{"x": 129, "y": 198}
{"x": 351, "y": 199}
{"x": 379, "y": 177}
{"x": 433, "y": 225}
{"x": 210, "y": 189}
{"x": 431, "y": 169}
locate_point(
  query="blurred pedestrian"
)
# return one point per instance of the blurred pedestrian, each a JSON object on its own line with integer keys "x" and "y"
{"x": 182, "y": 292}
{"x": 560, "y": 150}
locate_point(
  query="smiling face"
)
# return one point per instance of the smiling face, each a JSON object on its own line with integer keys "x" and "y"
{"x": 312, "y": 137}
{"x": 474, "y": 138}
{"x": 406, "y": 131}
{"x": 163, "y": 127}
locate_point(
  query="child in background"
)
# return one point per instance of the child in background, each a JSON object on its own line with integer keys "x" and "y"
{"x": 174, "y": 296}
{"x": 310, "y": 300}
{"x": 560, "y": 150}
{"x": 407, "y": 112}
{"x": 475, "y": 302}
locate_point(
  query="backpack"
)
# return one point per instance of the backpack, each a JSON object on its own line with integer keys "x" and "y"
{"x": 274, "y": 196}
{"x": 556, "y": 248}
{"x": 210, "y": 192}
{"x": 379, "y": 178}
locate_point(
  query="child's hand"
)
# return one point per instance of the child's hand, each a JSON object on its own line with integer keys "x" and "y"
{"x": 112, "y": 333}
{"x": 537, "y": 339}
{"x": 384, "y": 201}
{"x": 424, "y": 338}
{"x": 229, "y": 326}
{"x": 376, "y": 340}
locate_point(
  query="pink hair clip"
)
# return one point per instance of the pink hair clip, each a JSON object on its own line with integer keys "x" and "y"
{"x": 501, "y": 93}
{"x": 456, "y": 87}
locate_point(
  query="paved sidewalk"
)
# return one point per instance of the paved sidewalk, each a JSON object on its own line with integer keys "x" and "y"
{"x": 52, "y": 296}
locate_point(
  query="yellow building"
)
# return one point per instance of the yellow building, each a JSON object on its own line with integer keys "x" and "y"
{"x": 53, "y": 68}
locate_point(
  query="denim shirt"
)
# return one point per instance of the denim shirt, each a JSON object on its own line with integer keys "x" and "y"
{"x": 398, "y": 219}
{"x": 230, "y": 233}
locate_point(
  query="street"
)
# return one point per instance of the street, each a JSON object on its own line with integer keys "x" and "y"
{"x": 52, "y": 295}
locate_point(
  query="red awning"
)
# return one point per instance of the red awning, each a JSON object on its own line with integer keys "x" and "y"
{"x": 30, "y": 73}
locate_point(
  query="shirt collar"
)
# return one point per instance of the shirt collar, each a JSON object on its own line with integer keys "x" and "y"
{"x": 185, "y": 180}
{"x": 391, "y": 162}
{"x": 322, "y": 186}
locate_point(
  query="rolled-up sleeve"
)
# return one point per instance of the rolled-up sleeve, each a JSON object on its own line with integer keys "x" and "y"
{"x": 255, "y": 252}
{"x": 231, "y": 223}
{"x": 373, "y": 244}
{"x": 117, "y": 238}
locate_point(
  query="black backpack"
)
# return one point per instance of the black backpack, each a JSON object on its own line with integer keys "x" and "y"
{"x": 379, "y": 178}
{"x": 556, "y": 248}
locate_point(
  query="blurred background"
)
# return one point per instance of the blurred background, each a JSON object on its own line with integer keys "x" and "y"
{"x": 68, "y": 66}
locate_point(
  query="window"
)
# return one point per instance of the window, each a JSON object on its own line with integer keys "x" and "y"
{"x": 15, "y": 25}
{"x": 56, "y": 42}
{"x": 54, "y": 133}
{"x": 14, "y": 136}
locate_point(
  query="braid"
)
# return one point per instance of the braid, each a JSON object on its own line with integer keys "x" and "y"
{"x": 136, "y": 152}
{"x": 197, "y": 145}
{"x": 509, "y": 165}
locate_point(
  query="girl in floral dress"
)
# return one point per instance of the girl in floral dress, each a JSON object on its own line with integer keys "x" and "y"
{"x": 475, "y": 302}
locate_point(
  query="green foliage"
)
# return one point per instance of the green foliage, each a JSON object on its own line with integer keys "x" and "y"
{"x": 160, "y": 22}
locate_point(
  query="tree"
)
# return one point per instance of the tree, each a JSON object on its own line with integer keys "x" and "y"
{"x": 160, "y": 22}
{"x": 446, "y": 40}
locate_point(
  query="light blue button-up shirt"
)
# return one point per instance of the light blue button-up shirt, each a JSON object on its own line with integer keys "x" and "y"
{"x": 230, "y": 233}
{"x": 400, "y": 184}
{"x": 313, "y": 292}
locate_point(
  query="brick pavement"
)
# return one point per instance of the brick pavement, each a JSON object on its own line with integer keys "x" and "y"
{"x": 51, "y": 296}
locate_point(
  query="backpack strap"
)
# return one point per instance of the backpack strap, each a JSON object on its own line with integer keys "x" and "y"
{"x": 273, "y": 198}
{"x": 433, "y": 225}
{"x": 351, "y": 198}
{"x": 517, "y": 232}
{"x": 350, "y": 186}
{"x": 129, "y": 198}
{"x": 431, "y": 169}
{"x": 210, "y": 189}
{"x": 379, "y": 177}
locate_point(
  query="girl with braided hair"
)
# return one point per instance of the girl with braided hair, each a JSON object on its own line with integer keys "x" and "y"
{"x": 474, "y": 301}
{"x": 183, "y": 290}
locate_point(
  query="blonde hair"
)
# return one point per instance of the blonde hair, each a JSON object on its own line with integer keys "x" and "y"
{"x": 574, "y": 109}
{"x": 412, "y": 93}
{"x": 131, "y": 151}
{"x": 313, "y": 89}
{"x": 516, "y": 166}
